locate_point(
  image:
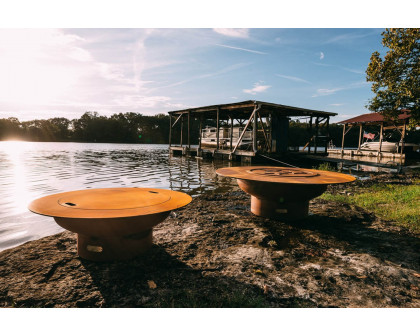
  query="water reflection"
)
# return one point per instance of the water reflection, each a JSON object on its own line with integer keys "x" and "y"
{"x": 13, "y": 177}
{"x": 32, "y": 170}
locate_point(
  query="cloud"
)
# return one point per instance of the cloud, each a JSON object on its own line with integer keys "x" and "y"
{"x": 346, "y": 38}
{"x": 208, "y": 75}
{"x": 258, "y": 88}
{"x": 321, "y": 55}
{"x": 326, "y": 92}
{"x": 138, "y": 101}
{"x": 243, "y": 49}
{"x": 350, "y": 86}
{"x": 353, "y": 70}
{"x": 340, "y": 67}
{"x": 47, "y": 70}
{"x": 295, "y": 79}
{"x": 225, "y": 70}
{"x": 233, "y": 32}
{"x": 177, "y": 106}
{"x": 359, "y": 84}
{"x": 41, "y": 66}
{"x": 337, "y": 104}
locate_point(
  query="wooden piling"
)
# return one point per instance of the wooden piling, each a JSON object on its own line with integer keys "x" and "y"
{"x": 217, "y": 128}
{"x": 188, "y": 132}
{"x": 170, "y": 130}
{"x": 310, "y": 135}
{"x": 182, "y": 126}
{"x": 381, "y": 137}
{"x": 327, "y": 131}
{"x": 254, "y": 134}
{"x": 316, "y": 134}
{"x": 231, "y": 133}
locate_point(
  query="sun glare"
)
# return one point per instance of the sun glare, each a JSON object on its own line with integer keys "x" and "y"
{"x": 37, "y": 66}
{"x": 14, "y": 152}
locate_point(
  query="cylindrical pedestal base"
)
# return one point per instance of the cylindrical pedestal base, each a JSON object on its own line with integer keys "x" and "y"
{"x": 278, "y": 210}
{"x": 113, "y": 248}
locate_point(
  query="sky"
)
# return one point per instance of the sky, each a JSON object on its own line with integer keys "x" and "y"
{"x": 65, "y": 72}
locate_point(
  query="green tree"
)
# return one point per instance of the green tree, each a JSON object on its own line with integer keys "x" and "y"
{"x": 10, "y": 128}
{"x": 396, "y": 78}
{"x": 61, "y": 128}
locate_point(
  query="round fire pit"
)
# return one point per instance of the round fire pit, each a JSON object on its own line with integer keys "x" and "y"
{"x": 111, "y": 223}
{"x": 282, "y": 193}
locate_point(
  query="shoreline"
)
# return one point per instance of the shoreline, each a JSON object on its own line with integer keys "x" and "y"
{"x": 215, "y": 253}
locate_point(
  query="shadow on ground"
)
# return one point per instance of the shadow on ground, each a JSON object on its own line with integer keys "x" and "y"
{"x": 351, "y": 228}
{"x": 132, "y": 284}
{"x": 215, "y": 253}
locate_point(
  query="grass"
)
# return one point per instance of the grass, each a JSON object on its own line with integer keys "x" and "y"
{"x": 397, "y": 203}
{"x": 325, "y": 166}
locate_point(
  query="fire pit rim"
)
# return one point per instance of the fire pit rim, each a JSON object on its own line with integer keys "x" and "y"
{"x": 241, "y": 172}
{"x": 49, "y": 205}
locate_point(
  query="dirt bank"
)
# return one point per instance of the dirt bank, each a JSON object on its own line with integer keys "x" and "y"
{"x": 215, "y": 253}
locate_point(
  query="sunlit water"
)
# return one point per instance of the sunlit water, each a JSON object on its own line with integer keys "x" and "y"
{"x": 29, "y": 170}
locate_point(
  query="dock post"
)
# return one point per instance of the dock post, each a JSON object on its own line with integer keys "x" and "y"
{"x": 342, "y": 140}
{"x": 327, "y": 131}
{"x": 310, "y": 135}
{"x": 316, "y": 134}
{"x": 403, "y": 136}
{"x": 381, "y": 137}
{"x": 402, "y": 141}
{"x": 170, "y": 130}
{"x": 182, "y": 126}
{"x": 188, "y": 132}
{"x": 270, "y": 128}
{"x": 254, "y": 134}
{"x": 217, "y": 129}
{"x": 360, "y": 137}
{"x": 231, "y": 133}
{"x": 199, "y": 152}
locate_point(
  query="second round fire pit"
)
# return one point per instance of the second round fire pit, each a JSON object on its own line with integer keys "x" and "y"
{"x": 282, "y": 193}
{"x": 111, "y": 223}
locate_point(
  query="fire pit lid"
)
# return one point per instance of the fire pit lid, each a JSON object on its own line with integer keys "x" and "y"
{"x": 285, "y": 175}
{"x": 109, "y": 203}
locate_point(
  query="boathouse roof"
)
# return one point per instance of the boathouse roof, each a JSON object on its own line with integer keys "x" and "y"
{"x": 373, "y": 118}
{"x": 245, "y": 108}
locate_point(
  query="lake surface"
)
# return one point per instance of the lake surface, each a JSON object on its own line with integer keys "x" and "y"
{"x": 29, "y": 170}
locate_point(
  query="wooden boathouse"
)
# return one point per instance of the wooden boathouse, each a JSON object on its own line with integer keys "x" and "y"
{"x": 380, "y": 153}
{"x": 264, "y": 125}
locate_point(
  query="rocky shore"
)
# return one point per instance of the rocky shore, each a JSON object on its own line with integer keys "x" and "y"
{"x": 216, "y": 253}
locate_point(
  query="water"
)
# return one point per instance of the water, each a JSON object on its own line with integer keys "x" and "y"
{"x": 29, "y": 170}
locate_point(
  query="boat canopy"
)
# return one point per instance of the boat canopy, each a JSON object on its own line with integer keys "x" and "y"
{"x": 244, "y": 109}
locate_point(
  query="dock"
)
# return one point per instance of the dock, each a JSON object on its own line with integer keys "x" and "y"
{"x": 375, "y": 151}
{"x": 265, "y": 123}
{"x": 225, "y": 154}
{"x": 367, "y": 156}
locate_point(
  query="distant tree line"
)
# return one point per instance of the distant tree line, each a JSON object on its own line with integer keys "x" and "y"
{"x": 127, "y": 127}
{"x": 133, "y": 127}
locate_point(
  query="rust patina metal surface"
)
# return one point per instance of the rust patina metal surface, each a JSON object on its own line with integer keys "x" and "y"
{"x": 280, "y": 192}
{"x": 111, "y": 223}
